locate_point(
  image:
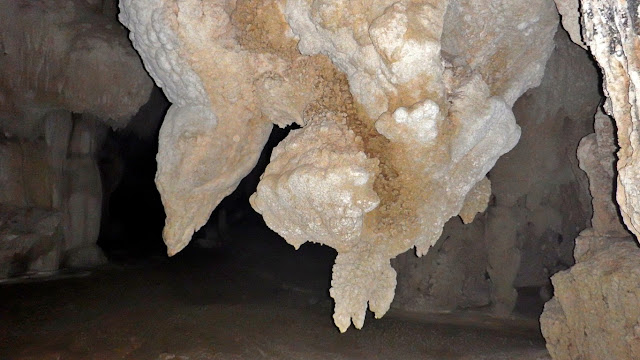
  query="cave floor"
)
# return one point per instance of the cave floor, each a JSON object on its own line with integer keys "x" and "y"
{"x": 232, "y": 304}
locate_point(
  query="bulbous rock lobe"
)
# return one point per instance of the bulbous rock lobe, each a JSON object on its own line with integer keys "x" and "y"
{"x": 399, "y": 125}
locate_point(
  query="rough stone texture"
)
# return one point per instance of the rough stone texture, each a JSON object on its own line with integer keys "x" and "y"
{"x": 220, "y": 88}
{"x": 604, "y": 287}
{"x": 57, "y": 174}
{"x": 30, "y": 241}
{"x": 541, "y": 195}
{"x": 411, "y": 111}
{"x": 57, "y": 58}
{"x": 594, "y": 314}
{"x": 424, "y": 106}
{"x": 65, "y": 55}
{"x": 570, "y": 16}
{"x": 451, "y": 276}
{"x": 597, "y": 158}
{"x": 603, "y": 283}
{"x": 82, "y": 194}
{"x": 611, "y": 30}
{"x": 539, "y": 204}
{"x": 476, "y": 201}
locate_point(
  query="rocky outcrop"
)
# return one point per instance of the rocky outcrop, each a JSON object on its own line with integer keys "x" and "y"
{"x": 57, "y": 175}
{"x": 65, "y": 55}
{"x": 597, "y": 159}
{"x": 594, "y": 313}
{"x": 410, "y": 113}
{"x": 540, "y": 202}
{"x": 31, "y": 241}
{"x": 610, "y": 29}
{"x": 66, "y": 73}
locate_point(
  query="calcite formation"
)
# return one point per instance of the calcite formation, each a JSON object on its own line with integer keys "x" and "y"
{"x": 597, "y": 159}
{"x": 404, "y": 107}
{"x": 610, "y": 30}
{"x": 67, "y": 72}
{"x": 65, "y": 55}
{"x": 594, "y": 312}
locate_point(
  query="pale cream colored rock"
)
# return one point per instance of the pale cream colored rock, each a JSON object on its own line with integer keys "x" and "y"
{"x": 65, "y": 55}
{"x": 436, "y": 125}
{"x": 476, "y": 201}
{"x": 570, "y": 14}
{"x": 508, "y": 42}
{"x": 596, "y": 153}
{"x": 595, "y": 313}
{"x": 214, "y": 132}
{"x": 392, "y": 143}
{"x": 610, "y": 31}
{"x": 318, "y": 186}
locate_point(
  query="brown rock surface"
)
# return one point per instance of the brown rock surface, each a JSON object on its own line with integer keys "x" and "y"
{"x": 433, "y": 121}
{"x": 595, "y": 313}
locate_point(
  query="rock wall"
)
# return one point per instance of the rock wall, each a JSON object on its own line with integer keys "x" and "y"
{"x": 404, "y": 107}
{"x": 609, "y": 29}
{"x": 594, "y": 313}
{"x": 540, "y": 202}
{"x": 66, "y": 72}
{"x": 65, "y": 55}
{"x": 55, "y": 179}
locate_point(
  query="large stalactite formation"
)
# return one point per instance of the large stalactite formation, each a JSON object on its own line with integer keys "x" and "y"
{"x": 404, "y": 107}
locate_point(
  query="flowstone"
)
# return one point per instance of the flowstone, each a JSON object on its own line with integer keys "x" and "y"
{"x": 404, "y": 109}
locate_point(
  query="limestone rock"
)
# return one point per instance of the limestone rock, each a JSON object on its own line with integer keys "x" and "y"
{"x": 57, "y": 58}
{"x": 451, "y": 276}
{"x": 597, "y": 158}
{"x": 540, "y": 202}
{"x": 541, "y": 196}
{"x": 476, "y": 201}
{"x": 64, "y": 55}
{"x": 595, "y": 313}
{"x": 328, "y": 183}
{"x": 30, "y": 241}
{"x": 610, "y": 30}
{"x": 57, "y": 174}
{"x": 570, "y": 14}
{"x": 406, "y": 88}
{"x": 26, "y": 179}
{"x": 221, "y": 88}
{"x": 88, "y": 256}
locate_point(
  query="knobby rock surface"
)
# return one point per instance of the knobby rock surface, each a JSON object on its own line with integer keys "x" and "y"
{"x": 404, "y": 107}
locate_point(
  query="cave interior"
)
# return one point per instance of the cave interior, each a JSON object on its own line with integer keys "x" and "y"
{"x": 247, "y": 179}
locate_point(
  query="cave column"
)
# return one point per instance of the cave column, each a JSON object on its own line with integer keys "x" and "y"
{"x": 58, "y": 126}
{"x": 83, "y": 195}
{"x": 503, "y": 255}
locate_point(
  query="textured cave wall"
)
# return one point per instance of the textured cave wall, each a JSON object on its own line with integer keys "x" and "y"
{"x": 404, "y": 107}
{"x": 540, "y": 202}
{"x": 594, "y": 314}
{"x": 67, "y": 72}
{"x": 65, "y": 55}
